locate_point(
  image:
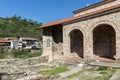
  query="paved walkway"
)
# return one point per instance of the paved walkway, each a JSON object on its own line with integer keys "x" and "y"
{"x": 70, "y": 72}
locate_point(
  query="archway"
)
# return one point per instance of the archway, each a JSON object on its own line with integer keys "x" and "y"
{"x": 76, "y": 42}
{"x": 104, "y": 41}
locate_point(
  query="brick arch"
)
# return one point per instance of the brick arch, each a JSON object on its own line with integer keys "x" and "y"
{"x": 67, "y": 48}
{"x": 104, "y": 22}
{"x": 104, "y": 39}
{"x": 67, "y": 31}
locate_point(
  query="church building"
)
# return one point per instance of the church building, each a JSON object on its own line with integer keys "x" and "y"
{"x": 93, "y": 31}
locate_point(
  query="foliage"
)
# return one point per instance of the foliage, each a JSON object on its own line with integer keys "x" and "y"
{"x": 25, "y": 53}
{"x": 30, "y": 55}
{"x": 91, "y": 73}
{"x": 17, "y": 27}
{"x": 106, "y": 73}
{"x": 55, "y": 70}
{"x": 102, "y": 68}
{"x": 3, "y": 55}
{"x": 18, "y": 53}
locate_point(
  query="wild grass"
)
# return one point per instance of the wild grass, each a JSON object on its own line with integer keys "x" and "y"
{"x": 55, "y": 70}
{"x": 100, "y": 73}
{"x": 22, "y": 54}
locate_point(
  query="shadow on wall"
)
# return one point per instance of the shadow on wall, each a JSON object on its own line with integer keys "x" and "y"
{"x": 76, "y": 42}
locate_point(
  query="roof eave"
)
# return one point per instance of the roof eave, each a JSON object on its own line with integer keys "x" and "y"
{"x": 92, "y": 6}
{"x": 79, "y": 17}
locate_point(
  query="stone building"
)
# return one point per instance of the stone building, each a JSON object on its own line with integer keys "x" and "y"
{"x": 92, "y": 31}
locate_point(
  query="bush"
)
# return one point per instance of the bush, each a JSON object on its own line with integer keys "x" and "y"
{"x": 3, "y": 55}
{"x": 29, "y": 55}
{"x": 25, "y": 53}
{"x": 102, "y": 68}
{"x": 17, "y": 53}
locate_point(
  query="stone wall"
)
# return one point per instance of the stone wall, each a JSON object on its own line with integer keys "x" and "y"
{"x": 30, "y": 61}
{"x": 98, "y": 8}
{"x": 57, "y": 43}
{"x": 53, "y": 42}
{"x": 86, "y": 26}
{"x": 11, "y": 69}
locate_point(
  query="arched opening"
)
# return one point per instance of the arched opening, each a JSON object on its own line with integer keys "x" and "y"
{"x": 76, "y": 42}
{"x": 104, "y": 41}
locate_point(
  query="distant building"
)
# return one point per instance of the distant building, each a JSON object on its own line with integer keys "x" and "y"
{"x": 9, "y": 44}
{"x": 5, "y": 44}
{"x": 29, "y": 43}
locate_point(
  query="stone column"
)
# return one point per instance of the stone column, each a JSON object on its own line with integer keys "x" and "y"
{"x": 117, "y": 56}
{"x": 88, "y": 47}
{"x": 66, "y": 44}
{"x": 47, "y": 44}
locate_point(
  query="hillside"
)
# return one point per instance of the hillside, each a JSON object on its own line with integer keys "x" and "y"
{"x": 16, "y": 26}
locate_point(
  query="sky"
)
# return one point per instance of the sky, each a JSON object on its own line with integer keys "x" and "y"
{"x": 42, "y": 10}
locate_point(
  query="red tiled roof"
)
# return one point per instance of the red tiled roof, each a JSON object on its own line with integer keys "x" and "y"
{"x": 28, "y": 38}
{"x": 4, "y": 41}
{"x": 78, "y": 17}
{"x": 57, "y": 22}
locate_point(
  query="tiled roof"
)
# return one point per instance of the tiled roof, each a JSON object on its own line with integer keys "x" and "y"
{"x": 57, "y": 22}
{"x": 4, "y": 41}
{"x": 79, "y": 17}
{"x": 28, "y": 38}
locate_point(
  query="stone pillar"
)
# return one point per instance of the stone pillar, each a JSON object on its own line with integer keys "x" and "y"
{"x": 88, "y": 47}
{"x": 47, "y": 43}
{"x": 117, "y": 56}
{"x": 66, "y": 44}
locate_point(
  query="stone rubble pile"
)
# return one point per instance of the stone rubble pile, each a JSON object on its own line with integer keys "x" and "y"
{"x": 12, "y": 69}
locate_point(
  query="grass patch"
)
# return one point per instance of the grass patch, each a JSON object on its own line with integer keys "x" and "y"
{"x": 3, "y": 55}
{"x": 75, "y": 74}
{"x": 91, "y": 73}
{"x": 106, "y": 74}
{"x": 24, "y": 54}
{"x": 29, "y": 55}
{"x": 102, "y": 68}
{"x": 81, "y": 72}
{"x": 55, "y": 70}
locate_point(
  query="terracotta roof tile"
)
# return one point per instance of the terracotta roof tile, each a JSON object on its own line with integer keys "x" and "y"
{"x": 78, "y": 17}
{"x": 4, "y": 41}
{"x": 28, "y": 38}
